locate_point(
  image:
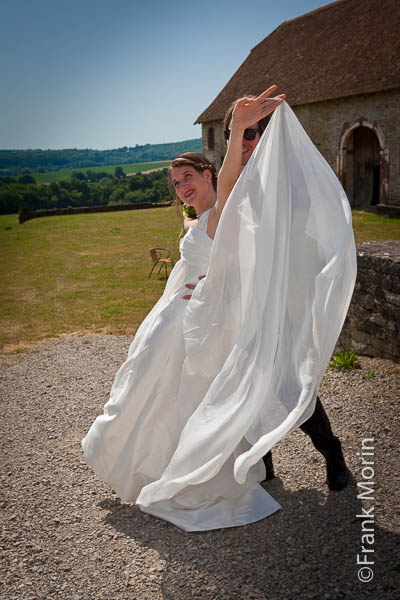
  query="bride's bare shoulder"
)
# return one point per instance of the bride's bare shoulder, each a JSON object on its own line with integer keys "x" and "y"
{"x": 187, "y": 223}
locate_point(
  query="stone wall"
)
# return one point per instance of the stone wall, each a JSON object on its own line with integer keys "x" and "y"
{"x": 329, "y": 125}
{"x": 216, "y": 154}
{"x": 25, "y": 214}
{"x": 326, "y": 123}
{"x": 372, "y": 326}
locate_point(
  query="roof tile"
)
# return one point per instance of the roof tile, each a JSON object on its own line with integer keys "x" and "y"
{"x": 345, "y": 48}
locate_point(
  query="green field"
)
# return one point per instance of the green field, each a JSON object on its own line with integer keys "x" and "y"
{"x": 129, "y": 168}
{"x": 89, "y": 272}
{"x": 370, "y": 227}
{"x": 84, "y": 272}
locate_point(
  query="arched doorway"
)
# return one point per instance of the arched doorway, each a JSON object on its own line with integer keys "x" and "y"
{"x": 363, "y": 168}
{"x": 363, "y": 164}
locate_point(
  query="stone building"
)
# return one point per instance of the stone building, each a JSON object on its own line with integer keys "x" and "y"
{"x": 339, "y": 66}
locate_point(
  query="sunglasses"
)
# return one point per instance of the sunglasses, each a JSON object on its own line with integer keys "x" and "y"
{"x": 248, "y": 134}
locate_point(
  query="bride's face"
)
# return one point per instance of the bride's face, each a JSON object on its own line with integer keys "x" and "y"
{"x": 191, "y": 186}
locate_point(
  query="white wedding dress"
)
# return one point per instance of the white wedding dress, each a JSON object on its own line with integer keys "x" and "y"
{"x": 210, "y": 385}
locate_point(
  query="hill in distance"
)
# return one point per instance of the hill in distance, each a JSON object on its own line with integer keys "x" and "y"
{"x": 13, "y": 162}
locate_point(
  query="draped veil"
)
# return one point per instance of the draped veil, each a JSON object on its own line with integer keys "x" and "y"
{"x": 248, "y": 350}
{"x": 261, "y": 326}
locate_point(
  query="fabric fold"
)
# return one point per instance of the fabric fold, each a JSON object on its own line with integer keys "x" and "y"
{"x": 269, "y": 312}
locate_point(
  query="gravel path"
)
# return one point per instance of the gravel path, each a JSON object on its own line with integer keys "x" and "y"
{"x": 66, "y": 535}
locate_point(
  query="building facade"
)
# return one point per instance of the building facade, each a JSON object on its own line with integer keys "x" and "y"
{"x": 340, "y": 69}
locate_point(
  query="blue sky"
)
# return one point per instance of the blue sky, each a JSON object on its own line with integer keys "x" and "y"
{"x": 101, "y": 74}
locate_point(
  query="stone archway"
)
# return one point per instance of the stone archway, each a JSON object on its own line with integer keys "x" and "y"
{"x": 364, "y": 164}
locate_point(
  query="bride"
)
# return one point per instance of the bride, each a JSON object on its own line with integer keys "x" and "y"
{"x": 210, "y": 385}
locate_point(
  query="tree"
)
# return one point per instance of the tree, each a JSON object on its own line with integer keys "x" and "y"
{"x": 10, "y": 201}
{"x": 106, "y": 183}
{"x": 26, "y": 178}
{"x": 135, "y": 183}
{"x": 78, "y": 175}
{"x": 119, "y": 172}
{"x": 117, "y": 195}
{"x": 31, "y": 198}
{"x": 161, "y": 187}
{"x": 91, "y": 175}
{"x": 136, "y": 196}
{"x": 150, "y": 195}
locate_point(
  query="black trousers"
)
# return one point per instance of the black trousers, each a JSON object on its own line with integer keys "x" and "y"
{"x": 318, "y": 428}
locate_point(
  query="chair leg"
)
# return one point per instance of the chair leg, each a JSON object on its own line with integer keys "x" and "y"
{"x": 155, "y": 264}
{"x": 162, "y": 264}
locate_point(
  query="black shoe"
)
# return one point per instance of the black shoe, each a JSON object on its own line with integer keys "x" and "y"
{"x": 337, "y": 473}
{"x": 269, "y": 467}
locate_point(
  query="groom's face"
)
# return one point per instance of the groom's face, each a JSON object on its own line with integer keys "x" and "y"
{"x": 248, "y": 146}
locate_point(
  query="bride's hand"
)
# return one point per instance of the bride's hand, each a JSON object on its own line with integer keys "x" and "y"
{"x": 191, "y": 286}
{"x": 248, "y": 111}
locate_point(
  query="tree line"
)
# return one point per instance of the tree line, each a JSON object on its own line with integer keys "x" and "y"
{"x": 84, "y": 189}
{"x": 13, "y": 162}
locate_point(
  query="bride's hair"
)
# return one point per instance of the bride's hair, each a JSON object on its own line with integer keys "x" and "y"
{"x": 262, "y": 124}
{"x": 197, "y": 161}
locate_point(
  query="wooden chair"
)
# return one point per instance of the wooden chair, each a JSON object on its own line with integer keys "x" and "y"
{"x": 160, "y": 256}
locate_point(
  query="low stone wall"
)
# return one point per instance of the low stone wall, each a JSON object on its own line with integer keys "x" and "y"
{"x": 25, "y": 214}
{"x": 388, "y": 210}
{"x": 372, "y": 325}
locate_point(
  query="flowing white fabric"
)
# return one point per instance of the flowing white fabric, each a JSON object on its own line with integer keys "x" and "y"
{"x": 211, "y": 385}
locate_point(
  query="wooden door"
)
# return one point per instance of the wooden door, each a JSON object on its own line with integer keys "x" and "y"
{"x": 366, "y": 167}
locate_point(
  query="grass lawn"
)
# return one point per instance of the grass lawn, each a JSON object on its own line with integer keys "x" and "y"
{"x": 86, "y": 272}
{"x": 78, "y": 273}
{"x": 66, "y": 174}
{"x": 370, "y": 227}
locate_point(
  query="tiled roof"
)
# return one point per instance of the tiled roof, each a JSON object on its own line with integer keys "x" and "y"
{"x": 344, "y": 48}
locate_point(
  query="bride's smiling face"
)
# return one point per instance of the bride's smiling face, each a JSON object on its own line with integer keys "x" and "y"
{"x": 191, "y": 186}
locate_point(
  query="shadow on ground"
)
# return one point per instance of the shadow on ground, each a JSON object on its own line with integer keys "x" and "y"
{"x": 309, "y": 550}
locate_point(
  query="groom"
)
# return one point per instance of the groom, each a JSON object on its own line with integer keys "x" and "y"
{"x": 317, "y": 427}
